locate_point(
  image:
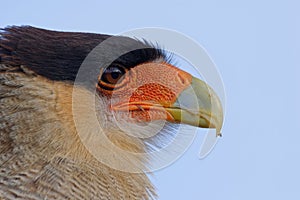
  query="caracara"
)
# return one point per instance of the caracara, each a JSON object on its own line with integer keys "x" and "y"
{"x": 75, "y": 112}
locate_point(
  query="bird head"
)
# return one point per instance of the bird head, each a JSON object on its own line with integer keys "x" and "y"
{"x": 134, "y": 81}
{"x": 143, "y": 85}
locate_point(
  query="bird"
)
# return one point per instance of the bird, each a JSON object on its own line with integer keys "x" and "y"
{"x": 48, "y": 135}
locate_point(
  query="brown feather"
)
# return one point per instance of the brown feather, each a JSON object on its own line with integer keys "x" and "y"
{"x": 41, "y": 155}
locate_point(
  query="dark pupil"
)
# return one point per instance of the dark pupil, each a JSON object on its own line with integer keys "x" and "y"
{"x": 116, "y": 75}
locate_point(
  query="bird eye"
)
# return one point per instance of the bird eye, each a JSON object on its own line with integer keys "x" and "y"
{"x": 113, "y": 74}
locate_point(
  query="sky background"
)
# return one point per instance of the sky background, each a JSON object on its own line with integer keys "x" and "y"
{"x": 255, "y": 45}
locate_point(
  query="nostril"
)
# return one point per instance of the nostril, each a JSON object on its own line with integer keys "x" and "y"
{"x": 182, "y": 79}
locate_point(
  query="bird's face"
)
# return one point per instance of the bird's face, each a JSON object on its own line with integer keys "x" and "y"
{"x": 160, "y": 91}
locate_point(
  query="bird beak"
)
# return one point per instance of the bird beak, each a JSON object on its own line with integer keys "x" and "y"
{"x": 198, "y": 105}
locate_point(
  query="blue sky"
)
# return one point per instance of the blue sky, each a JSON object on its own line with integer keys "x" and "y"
{"x": 256, "y": 46}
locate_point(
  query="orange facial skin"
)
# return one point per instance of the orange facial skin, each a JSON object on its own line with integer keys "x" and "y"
{"x": 146, "y": 89}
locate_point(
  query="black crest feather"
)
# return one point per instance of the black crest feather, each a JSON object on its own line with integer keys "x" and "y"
{"x": 58, "y": 55}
